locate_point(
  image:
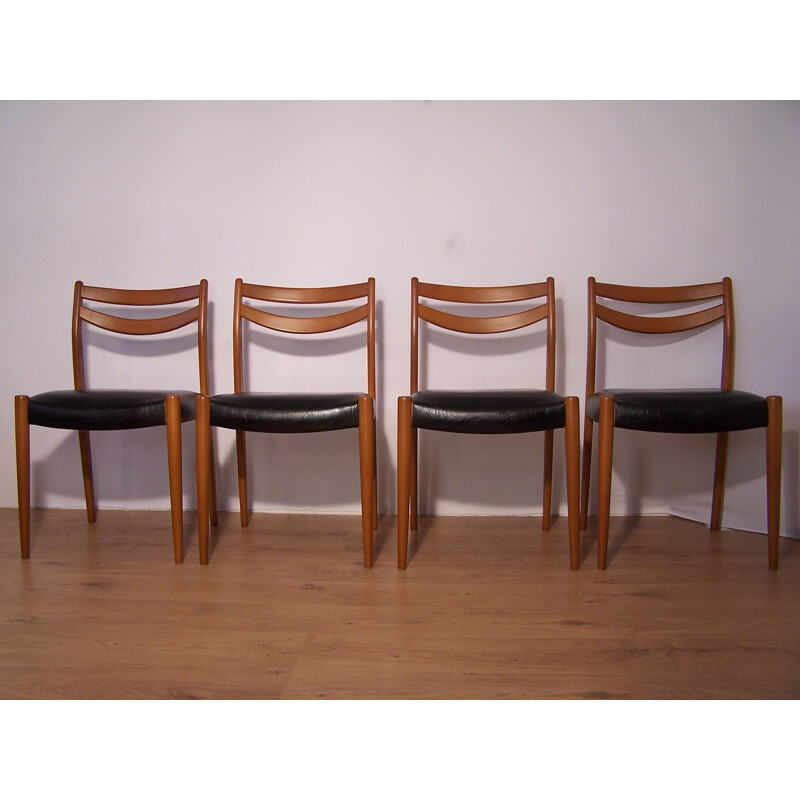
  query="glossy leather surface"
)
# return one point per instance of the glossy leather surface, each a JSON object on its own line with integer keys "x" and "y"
{"x": 285, "y": 413}
{"x": 104, "y": 409}
{"x": 509, "y": 411}
{"x": 683, "y": 410}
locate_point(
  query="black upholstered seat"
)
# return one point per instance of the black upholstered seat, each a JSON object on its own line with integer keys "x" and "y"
{"x": 488, "y": 411}
{"x": 105, "y": 409}
{"x": 683, "y": 410}
{"x": 285, "y": 413}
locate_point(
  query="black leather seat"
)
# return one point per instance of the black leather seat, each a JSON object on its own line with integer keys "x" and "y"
{"x": 84, "y": 410}
{"x": 689, "y": 411}
{"x": 292, "y": 412}
{"x": 285, "y": 413}
{"x": 485, "y": 411}
{"x": 683, "y": 410}
{"x": 105, "y": 409}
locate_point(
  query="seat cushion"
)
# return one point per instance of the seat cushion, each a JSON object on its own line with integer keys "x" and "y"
{"x": 683, "y": 410}
{"x": 104, "y": 409}
{"x": 487, "y": 411}
{"x": 285, "y": 413}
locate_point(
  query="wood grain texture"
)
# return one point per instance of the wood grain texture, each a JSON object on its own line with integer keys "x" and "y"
{"x": 490, "y": 609}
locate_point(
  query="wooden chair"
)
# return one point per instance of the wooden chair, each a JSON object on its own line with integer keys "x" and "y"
{"x": 294, "y": 412}
{"x": 485, "y": 411}
{"x": 674, "y": 410}
{"x": 88, "y": 410}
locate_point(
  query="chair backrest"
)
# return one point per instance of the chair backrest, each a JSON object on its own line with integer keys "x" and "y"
{"x": 303, "y": 325}
{"x": 674, "y": 323}
{"x": 476, "y": 295}
{"x": 83, "y": 314}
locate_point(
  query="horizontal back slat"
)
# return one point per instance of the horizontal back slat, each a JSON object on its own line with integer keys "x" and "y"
{"x": 138, "y": 327}
{"x": 658, "y": 294}
{"x": 141, "y": 297}
{"x": 329, "y": 294}
{"x": 482, "y": 294}
{"x": 671, "y": 324}
{"x": 464, "y": 324}
{"x": 322, "y": 324}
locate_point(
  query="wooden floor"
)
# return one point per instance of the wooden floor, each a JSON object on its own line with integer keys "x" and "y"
{"x": 486, "y": 609}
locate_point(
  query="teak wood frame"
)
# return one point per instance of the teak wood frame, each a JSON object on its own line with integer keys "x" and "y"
{"x": 675, "y": 323}
{"x": 407, "y": 434}
{"x": 83, "y": 314}
{"x": 368, "y": 465}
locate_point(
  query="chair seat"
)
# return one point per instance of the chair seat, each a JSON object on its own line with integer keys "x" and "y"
{"x": 285, "y": 413}
{"x": 105, "y": 409}
{"x": 488, "y": 411}
{"x": 683, "y": 410}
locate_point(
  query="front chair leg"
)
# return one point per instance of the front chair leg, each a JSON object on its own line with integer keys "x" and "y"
{"x": 774, "y": 449}
{"x": 366, "y": 451}
{"x": 173, "y": 417}
{"x": 23, "y": 437}
{"x": 605, "y": 449}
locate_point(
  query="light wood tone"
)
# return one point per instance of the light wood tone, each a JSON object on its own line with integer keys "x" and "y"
{"x": 83, "y": 314}
{"x": 723, "y": 310}
{"x": 288, "y": 611}
{"x": 321, "y": 323}
{"x": 407, "y": 459}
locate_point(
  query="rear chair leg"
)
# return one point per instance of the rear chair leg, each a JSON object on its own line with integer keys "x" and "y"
{"x": 88, "y": 480}
{"x": 404, "y": 478}
{"x": 23, "y": 437}
{"x": 366, "y": 453}
{"x": 774, "y": 447}
{"x": 586, "y": 471}
{"x": 719, "y": 481}
{"x": 572, "y": 443}
{"x": 205, "y": 471}
{"x": 173, "y": 417}
{"x": 605, "y": 449}
{"x": 547, "y": 494}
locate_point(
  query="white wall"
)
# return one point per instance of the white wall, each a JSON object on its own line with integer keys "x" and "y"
{"x": 152, "y": 194}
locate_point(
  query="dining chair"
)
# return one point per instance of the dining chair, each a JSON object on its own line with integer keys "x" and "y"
{"x": 84, "y": 410}
{"x": 485, "y": 411}
{"x": 293, "y": 412}
{"x": 673, "y": 410}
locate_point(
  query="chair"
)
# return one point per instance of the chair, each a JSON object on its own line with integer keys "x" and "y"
{"x": 674, "y": 410}
{"x": 296, "y": 412}
{"x": 485, "y": 411}
{"x": 88, "y": 410}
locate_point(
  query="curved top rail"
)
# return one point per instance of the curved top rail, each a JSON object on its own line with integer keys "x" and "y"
{"x": 141, "y": 297}
{"x": 285, "y": 294}
{"x": 482, "y": 294}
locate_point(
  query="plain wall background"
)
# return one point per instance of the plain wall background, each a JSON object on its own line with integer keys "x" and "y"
{"x": 146, "y": 194}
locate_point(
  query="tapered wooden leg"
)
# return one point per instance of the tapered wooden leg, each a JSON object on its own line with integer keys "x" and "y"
{"x": 586, "y": 471}
{"x": 88, "y": 479}
{"x": 774, "y": 449}
{"x": 414, "y": 476}
{"x": 404, "y": 480}
{"x": 547, "y": 494}
{"x": 719, "y": 481}
{"x": 605, "y": 449}
{"x": 241, "y": 466}
{"x": 212, "y": 483}
{"x": 374, "y": 476}
{"x": 173, "y": 415}
{"x": 205, "y": 470}
{"x": 23, "y": 437}
{"x": 572, "y": 444}
{"x": 366, "y": 457}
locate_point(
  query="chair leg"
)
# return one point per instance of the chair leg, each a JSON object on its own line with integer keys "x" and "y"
{"x": 88, "y": 478}
{"x": 719, "y": 481}
{"x": 605, "y": 449}
{"x": 205, "y": 471}
{"x": 173, "y": 417}
{"x": 374, "y": 475}
{"x": 572, "y": 443}
{"x": 586, "y": 471}
{"x": 212, "y": 484}
{"x": 547, "y": 494}
{"x": 414, "y": 475}
{"x": 241, "y": 466}
{"x": 23, "y": 437}
{"x": 366, "y": 453}
{"x": 404, "y": 476}
{"x": 774, "y": 448}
